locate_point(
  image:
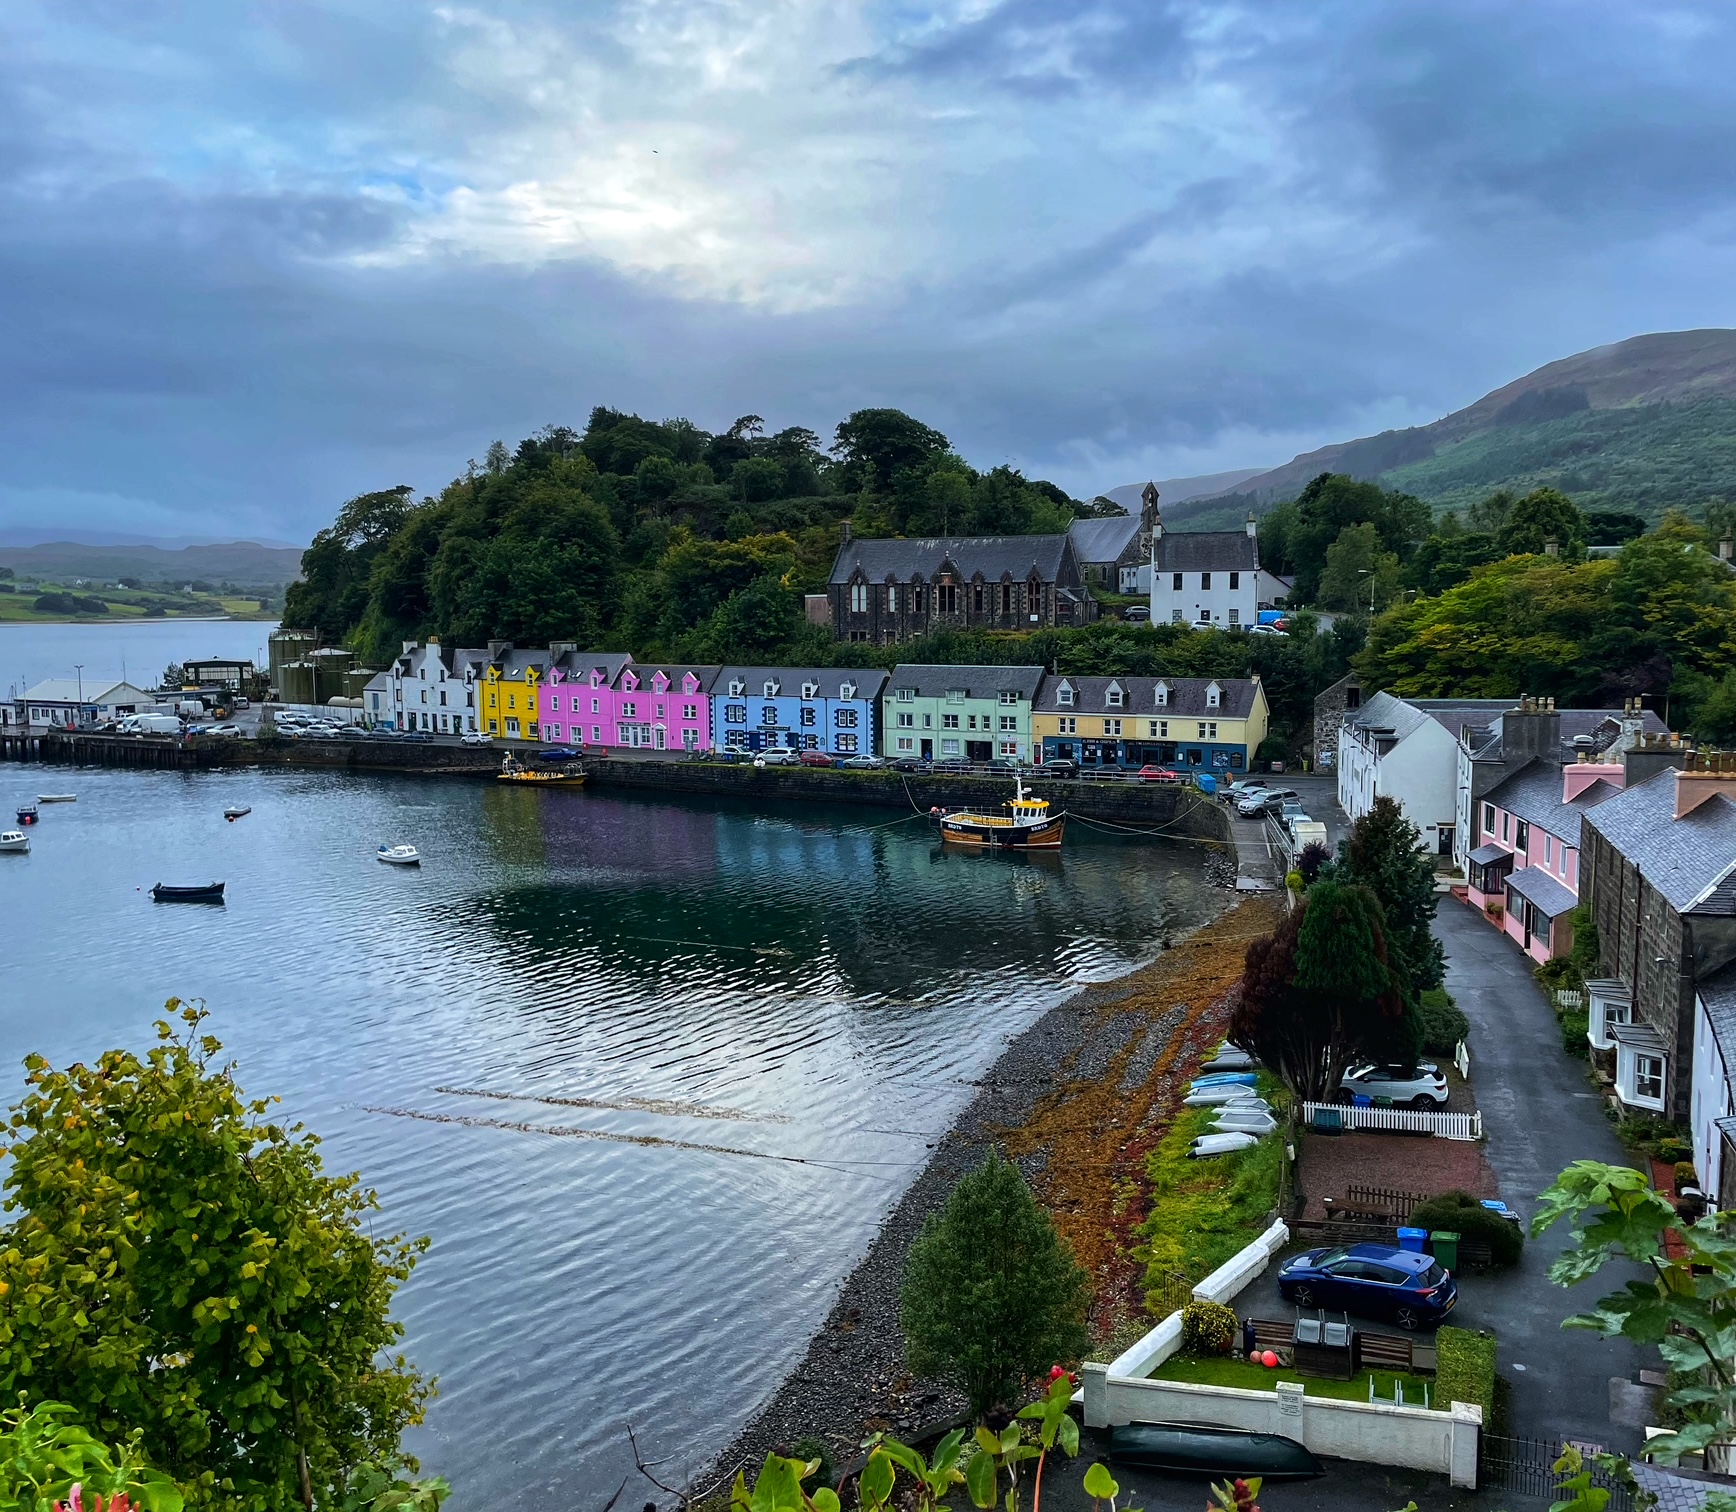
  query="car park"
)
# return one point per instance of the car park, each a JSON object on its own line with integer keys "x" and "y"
{"x": 229, "y": 731}
{"x": 1423, "y": 1086}
{"x": 816, "y": 759}
{"x": 1410, "y": 1289}
{"x": 1160, "y": 774}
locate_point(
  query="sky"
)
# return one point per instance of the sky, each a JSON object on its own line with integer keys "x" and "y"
{"x": 258, "y": 256}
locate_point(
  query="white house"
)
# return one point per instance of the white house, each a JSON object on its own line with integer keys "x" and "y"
{"x": 428, "y": 687}
{"x": 1210, "y": 578}
{"x": 1409, "y": 751}
{"x": 68, "y": 701}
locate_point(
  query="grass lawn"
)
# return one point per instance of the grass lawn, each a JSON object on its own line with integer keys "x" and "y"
{"x": 1229, "y": 1370}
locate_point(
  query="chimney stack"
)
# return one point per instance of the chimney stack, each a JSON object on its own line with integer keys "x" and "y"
{"x": 1552, "y": 547}
{"x": 1708, "y": 774}
{"x": 1724, "y": 549}
{"x": 844, "y": 533}
{"x": 1252, "y": 529}
{"x": 1651, "y": 754}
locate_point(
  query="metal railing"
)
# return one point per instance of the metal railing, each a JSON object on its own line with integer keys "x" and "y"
{"x": 1350, "y": 1119}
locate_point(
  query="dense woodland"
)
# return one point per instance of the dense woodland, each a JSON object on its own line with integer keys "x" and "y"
{"x": 671, "y": 542}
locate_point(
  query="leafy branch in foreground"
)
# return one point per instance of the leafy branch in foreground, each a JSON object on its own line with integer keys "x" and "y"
{"x": 1684, "y": 1306}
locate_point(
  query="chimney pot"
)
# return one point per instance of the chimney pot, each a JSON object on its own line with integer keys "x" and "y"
{"x": 1552, "y": 547}
{"x": 844, "y": 533}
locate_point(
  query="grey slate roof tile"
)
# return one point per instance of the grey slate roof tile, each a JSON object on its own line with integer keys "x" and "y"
{"x": 1206, "y": 551}
{"x": 977, "y": 682}
{"x": 1533, "y": 793}
{"x": 1683, "y": 858}
{"x": 1187, "y": 697}
{"x": 1103, "y": 540}
{"x": 1537, "y": 886}
{"x": 867, "y": 681}
{"x": 992, "y": 556}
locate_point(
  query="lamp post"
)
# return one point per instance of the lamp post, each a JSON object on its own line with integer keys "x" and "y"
{"x": 79, "y": 668}
{"x": 1368, "y": 572}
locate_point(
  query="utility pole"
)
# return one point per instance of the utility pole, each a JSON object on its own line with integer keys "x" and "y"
{"x": 79, "y": 668}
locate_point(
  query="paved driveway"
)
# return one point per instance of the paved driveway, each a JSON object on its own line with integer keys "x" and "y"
{"x": 1539, "y": 1114}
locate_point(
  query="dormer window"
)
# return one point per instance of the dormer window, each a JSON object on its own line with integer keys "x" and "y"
{"x": 1163, "y": 695}
{"x": 596, "y": 677}
{"x": 847, "y": 690}
{"x": 1114, "y": 696}
{"x": 689, "y": 683}
{"x": 660, "y": 683}
{"x": 772, "y": 686}
{"x": 737, "y": 687}
{"x": 629, "y": 682}
{"x": 1065, "y": 696}
{"x": 1214, "y": 696}
{"x": 810, "y": 690}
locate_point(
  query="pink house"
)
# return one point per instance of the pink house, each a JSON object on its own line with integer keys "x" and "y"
{"x": 613, "y": 702}
{"x": 1524, "y": 867}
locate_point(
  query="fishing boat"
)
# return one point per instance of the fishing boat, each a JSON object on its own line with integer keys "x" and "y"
{"x": 399, "y": 855}
{"x": 513, "y": 770}
{"x": 14, "y": 840}
{"x": 1221, "y": 1453}
{"x": 236, "y": 811}
{"x": 57, "y": 797}
{"x": 27, "y": 813}
{"x": 1026, "y": 824}
{"x": 210, "y": 892}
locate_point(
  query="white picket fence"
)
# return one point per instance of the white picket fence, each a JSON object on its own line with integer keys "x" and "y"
{"x": 1567, "y": 999}
{"x": 1466, "y": 1126}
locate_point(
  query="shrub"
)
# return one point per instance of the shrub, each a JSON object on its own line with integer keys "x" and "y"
{"x": 44, "y": 1453}
{"x": 992, "y": 1295}
{"x": 809, "y": 1449}
{"x": 1462, "y": 1214}
{"x": 1558, "y": 973}
{"x": 1444, "y": 1022}
{"x": 1294, "y": 881}
{"x": 1314, "y": 856}
{"x": 1465, "y": 1369}
{"x": 1574, "y": 1028}
{"x": 1207, "y": 1328}
{"x": 1685, "y": 1174}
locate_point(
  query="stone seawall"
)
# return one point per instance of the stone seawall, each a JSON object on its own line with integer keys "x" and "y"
{"x": 1180, "y": 811}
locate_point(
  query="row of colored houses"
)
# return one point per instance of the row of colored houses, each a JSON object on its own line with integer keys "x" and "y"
{"x": 609, "y": 701}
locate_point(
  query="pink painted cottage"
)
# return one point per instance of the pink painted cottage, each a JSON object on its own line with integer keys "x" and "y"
{"x": 610, "y": 701}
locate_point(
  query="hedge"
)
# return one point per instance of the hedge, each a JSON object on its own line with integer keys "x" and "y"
{"x": 1462, "y": 1214}
{"x": 1444, "y": 1022}
{"x": 1465, "y": 1369}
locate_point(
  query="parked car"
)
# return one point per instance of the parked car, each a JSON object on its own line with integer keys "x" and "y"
{"x": 229, "y": 731}
{"x": 1372, "y": 1279}
{"x": 816, "y": 759}
{"x": 777, "y": 756}
{"x": 1137, "y": 614}
{"x": 909, "y": 764}
{"x": 1270, "y": 800}
{"x": 1160, "y": 774}
{"x": 1425, "y": 1087}
{"x": 1243, "y": 787}
{"x": 476, "y": 737}
{"x": 558, "y": 753}
{"x": 953, "y": 764}
{"x": 863, "y": 763}
{"x": 1060, "y": 768}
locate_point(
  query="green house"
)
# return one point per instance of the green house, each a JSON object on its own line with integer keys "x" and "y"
{"x": 958, "y": 713}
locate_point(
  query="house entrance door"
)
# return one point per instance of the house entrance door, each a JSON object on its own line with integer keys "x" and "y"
{"x": 659, "y": 739}
{"x": 928, "y": 750}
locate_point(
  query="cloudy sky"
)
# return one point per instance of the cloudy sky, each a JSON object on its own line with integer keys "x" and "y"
{"x": 259, "y": 255}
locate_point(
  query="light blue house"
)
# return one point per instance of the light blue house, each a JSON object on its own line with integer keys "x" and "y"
{"x": 831, "y": 709}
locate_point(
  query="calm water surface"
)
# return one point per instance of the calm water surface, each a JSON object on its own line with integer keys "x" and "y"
{"x": 649, "y": 1073}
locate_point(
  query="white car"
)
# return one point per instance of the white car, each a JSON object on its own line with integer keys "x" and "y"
{"x": 232, "y": 732}
{"x": 1423, "y": 1088}
{"x": 476, "y": 737}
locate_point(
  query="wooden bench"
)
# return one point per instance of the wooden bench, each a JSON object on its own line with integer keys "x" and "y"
{"x": 1384, "y": 1351}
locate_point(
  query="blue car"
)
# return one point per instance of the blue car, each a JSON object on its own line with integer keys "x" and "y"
{"x": 1375, "y": 1280}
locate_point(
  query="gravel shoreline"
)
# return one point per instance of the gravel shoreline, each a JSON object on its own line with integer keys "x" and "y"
{"x": 853, "y": 1381}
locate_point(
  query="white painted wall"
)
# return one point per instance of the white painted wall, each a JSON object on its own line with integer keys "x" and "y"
{"x": 1710, "y": 1101}
{"x": 1199, "y": 605}
{"x": 1420, "y": 773}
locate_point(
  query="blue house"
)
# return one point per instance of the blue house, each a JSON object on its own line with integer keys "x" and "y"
{"x": 831, "y": 709}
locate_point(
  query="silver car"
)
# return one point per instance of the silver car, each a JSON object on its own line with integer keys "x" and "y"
{"x": 1424, "y": 1088}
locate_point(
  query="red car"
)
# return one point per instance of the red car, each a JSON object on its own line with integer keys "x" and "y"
{"x": 815, "y": 758}
{"x": 1159, "y": 774}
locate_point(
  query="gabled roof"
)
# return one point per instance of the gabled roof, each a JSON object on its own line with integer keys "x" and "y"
{"x": 1187, "y": 697}
{"x": 1387, "y": 711}
{"x": 1484, "y": 854}
{"x": 647, "y": 671}
{"x": 1533, "y": 794}
{"x": 928, "y": 681}
{"x": 513, "y": 663}
{"x": 867, "y": 681}
{"x": 577, "y": 666}
{"x": 1103, "y": 540}
{"x": 994, "y": 557}
{"x": 1604, "y": 726}
{"x": 1206, "y": 551}
{"x": 1686, "y": 859}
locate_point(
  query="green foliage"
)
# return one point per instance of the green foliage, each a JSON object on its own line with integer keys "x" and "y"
{"x": 1444, "y": 1022}
{"x": 1462, "y": 1214}
{"x": 1294, "y": 881}
{"x": 935, "y": 1477}
{"x": 1465, "y": 1369}
{"x": 1444, "y": 561}
{"x": 178, "y": 1268}
{"x": 1383, "y": 852}
{"x": 376, "y": 1489}
{"x": 1235, "y": 1496}
{"x": 1207, "y": 1328}
{"x": 992, "y": 1295}
{"x": 1574, "y": 1029}
{"x": 778, "y": 1488}
{"x": 1684, "y": 1304}
{"x": 1544, "y": 517}
{"x": 1100, "y": 1485}
{"x": 1297, "y": 537}
{"x": 44, "y": 1454}
{"x": 1358, "y": 571}
{"x": 68, "y": 603}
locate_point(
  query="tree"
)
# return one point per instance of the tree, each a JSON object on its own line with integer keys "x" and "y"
{"x": 1544, "y": 515}
{"x": 1383, "y": 852}
{"x": 1319, "y": 994}
{"x": 1684, "y": 1303}
{"x": 1358, "y": 572}
{"x": 1331, "y": 502}
{"x": 757, "y": 479}
{"x": 992, "y": 1295}
{"x": 177, "y": 1266}
{"x": 888, "y": 439}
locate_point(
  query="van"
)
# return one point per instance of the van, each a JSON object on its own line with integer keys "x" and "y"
{"x": 1306, "y": 832}
{"x": 156, "y": 724}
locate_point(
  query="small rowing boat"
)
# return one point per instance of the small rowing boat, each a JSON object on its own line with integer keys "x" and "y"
{"x": 236, "y": 811}
{"x": 14, "y": 840}
{"x": 210, "y": 892}
{"x": 1221, "y": 1453}
{"x": 399, "y": 855}
{"x": 57, "y": 797}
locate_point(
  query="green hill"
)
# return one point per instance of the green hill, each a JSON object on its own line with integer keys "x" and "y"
{"x": 1645, "y": 424}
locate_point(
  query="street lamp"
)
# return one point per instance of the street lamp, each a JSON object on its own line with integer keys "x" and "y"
{"x": 79, "y": 668}
{"x": 1368, "y": 572}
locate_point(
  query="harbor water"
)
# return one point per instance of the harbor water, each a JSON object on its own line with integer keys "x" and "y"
{"x": 649, "y": 1073}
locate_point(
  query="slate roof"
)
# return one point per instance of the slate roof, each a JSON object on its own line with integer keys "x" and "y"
{"x": 1484, "y": 854}
{"x": 1402, "y": 716}
{"x": 868, "y": 683}
{"x": 1206, "y": 551}
{"x": 1187, "y": 697}
{"x": 1603, "y": 725}
{"x": 646, "y": 671}
{"x": 577, "y": 666}
{"x": 977, "y": 682}
{"x": 1103, "y": 540}
{"x": 1689, "y": 859}
{"x": 1552, "y": 898}
{"x": 994, "y": 557}
{"x": 513, "y": 663}
{"x": 1533, "y": 793}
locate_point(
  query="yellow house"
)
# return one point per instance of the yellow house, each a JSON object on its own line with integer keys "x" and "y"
{"x": 1208, "y": 724}
{"x": 509, "y": 691}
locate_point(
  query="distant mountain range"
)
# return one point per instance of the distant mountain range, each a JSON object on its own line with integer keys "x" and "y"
{"x": 245, "y": 563}
{"x": 1644, "y": 425}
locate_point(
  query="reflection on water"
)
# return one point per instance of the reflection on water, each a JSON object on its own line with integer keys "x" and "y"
{"x": 650, "y": 1073}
